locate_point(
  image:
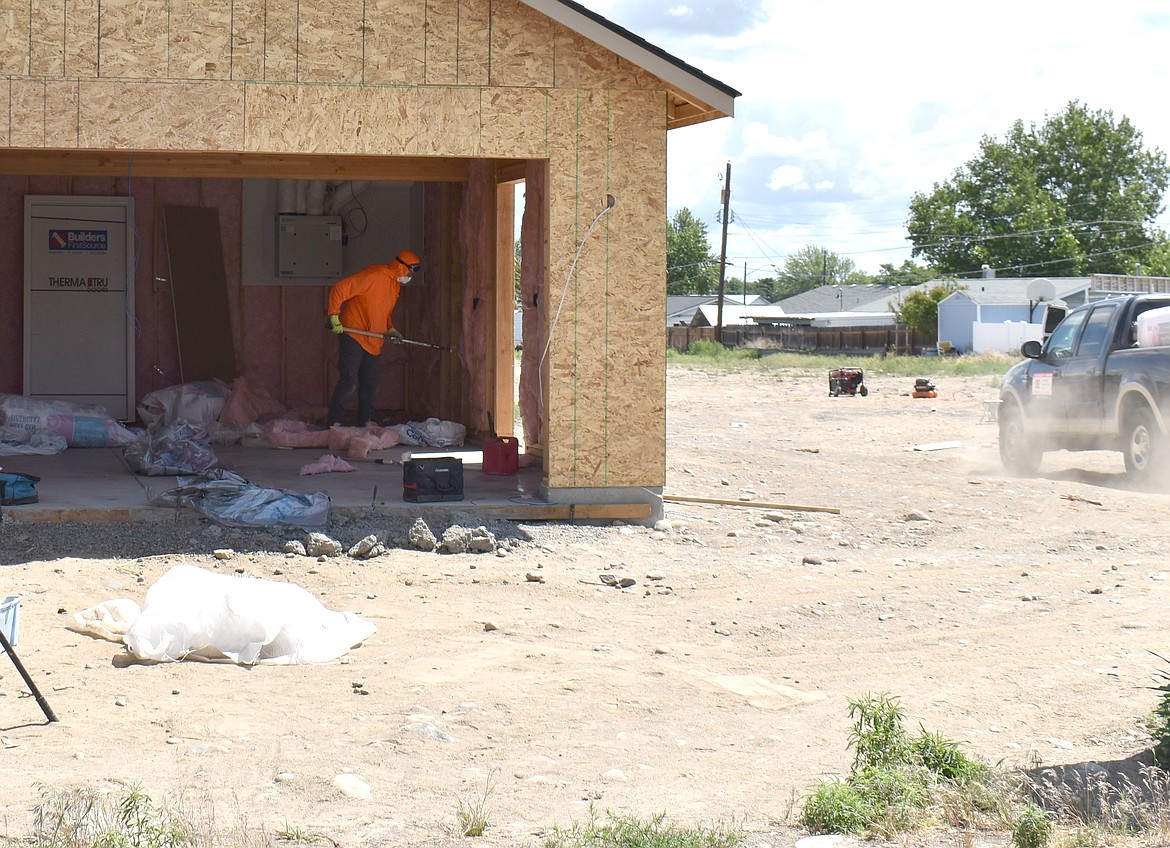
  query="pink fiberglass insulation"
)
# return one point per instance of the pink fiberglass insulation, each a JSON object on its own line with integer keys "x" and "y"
{"x": 326, "y": 464}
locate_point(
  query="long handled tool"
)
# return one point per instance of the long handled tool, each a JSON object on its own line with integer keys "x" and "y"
{"x": 397, "y": 339}
{"x": 45, "y": 708}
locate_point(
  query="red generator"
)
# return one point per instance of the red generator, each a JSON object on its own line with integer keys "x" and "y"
{"x": 847, "y": 381}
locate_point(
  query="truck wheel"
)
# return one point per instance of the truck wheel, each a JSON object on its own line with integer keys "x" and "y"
{"x": 1018, "y": 450}
{"x": 1143, "y": 446}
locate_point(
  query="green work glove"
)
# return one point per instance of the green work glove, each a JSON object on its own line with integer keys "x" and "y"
{"x": 393, "y": 335}
{"x": 335, "y": 324}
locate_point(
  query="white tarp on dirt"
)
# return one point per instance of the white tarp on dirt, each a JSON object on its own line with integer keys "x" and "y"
{"x": 193, "y": 613}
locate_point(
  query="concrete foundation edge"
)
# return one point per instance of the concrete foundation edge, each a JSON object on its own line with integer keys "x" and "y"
{"x": 637, "y": 504}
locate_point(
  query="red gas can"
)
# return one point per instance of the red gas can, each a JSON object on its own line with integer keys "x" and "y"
{"x": 501, "y": 455}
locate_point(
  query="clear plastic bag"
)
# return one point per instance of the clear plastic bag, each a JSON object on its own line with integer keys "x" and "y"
{"x": 198, "y": 403}
{"x": 15, "y": 441}
{"x": 432, "y": 433}
{"x": 170, "y": 450}
{"x": 227, "y": 498}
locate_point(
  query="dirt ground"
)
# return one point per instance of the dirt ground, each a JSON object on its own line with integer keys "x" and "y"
{"x": 1014, "y": 615}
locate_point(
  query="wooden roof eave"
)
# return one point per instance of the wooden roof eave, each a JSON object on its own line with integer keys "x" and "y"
{"x": 703, "y": 97}
{"x": 683, "y": 112}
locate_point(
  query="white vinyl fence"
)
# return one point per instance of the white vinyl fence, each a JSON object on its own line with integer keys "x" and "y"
{"x": 1004, "y": 338}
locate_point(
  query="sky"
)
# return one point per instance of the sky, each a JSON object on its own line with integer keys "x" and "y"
{"x": 850, "y": 107}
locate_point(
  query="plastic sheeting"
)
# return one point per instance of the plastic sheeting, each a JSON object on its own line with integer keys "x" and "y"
{"x": 107, "y": 620}
{"x": 193, "y": 613}
{"x": 170, "y": 449}
{"x": 16, "y": 441}
{"x": 227, "y": 498}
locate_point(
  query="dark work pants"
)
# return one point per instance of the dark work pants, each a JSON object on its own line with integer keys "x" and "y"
{"x": 355, "y": 369}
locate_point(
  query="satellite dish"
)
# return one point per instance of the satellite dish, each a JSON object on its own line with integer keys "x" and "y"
{"x": 1041, "y": 290}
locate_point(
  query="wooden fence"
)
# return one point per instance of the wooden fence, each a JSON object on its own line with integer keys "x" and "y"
{"x": 838, "y": 341}
{"x": 681, "y": 338}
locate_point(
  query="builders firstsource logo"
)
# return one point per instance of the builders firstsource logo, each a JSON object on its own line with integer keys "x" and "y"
{"x": 78, "y": 240}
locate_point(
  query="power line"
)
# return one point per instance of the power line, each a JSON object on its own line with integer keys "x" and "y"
{"x": 1045, "y": 263}
{"x": 1070, "y": 226}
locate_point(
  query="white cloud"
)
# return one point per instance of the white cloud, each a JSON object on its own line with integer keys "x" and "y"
{"x": 759, "y": 142}
{"x": 848, "y": 109}
{"x": 787, "y": 176}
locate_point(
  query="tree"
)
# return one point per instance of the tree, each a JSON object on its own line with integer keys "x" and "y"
{"x": 919, "y": 310}
{"x": 1075, "y": 196}
{"x": 734, "y": 285}
{"x": 909, "y": 273}
{"x": 765, "y": 287}
{"x": 690, "y": 266}
{"x": 811, "y": 267}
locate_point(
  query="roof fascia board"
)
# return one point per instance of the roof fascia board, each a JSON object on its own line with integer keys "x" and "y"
{"x": 639, "y": 51}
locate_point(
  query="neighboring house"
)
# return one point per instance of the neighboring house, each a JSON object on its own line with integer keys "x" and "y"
{"x": 734, "y": 314}
{"x": 826, "y": 306}
{"x": 860, "y": 298}
{"x": 432, "y": 113}
{"x": 997, "y": 314}
{"x": 870, "y": 305}
{"x": 681, "y": 308}
{"x": 856, "y": 318}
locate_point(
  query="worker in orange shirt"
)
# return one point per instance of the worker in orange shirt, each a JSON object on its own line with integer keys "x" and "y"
{"x": 365, "y": 301}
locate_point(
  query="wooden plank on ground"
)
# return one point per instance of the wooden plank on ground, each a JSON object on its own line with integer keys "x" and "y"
{"x": 754, "y": 504}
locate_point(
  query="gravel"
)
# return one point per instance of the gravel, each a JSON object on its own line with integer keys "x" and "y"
{"x": 22, "y": 542}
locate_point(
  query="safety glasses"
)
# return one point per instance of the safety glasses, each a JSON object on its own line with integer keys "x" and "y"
{"x": 415, "y": 267}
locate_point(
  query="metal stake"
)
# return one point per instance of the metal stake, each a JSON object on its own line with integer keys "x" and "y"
{"x": 45, "y": 708}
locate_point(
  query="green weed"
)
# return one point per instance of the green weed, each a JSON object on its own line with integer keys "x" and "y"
{"x": 707, "y": 354}
{"x": 472, "y": 815}
{"x": 117, "y": 816}
{"x": 295, "y": 834}
{"x": 630, "y": 832}
{"x": 944, "y": 758}
{"x": 834, "y": 806}
{"x": 877, "y": 737}
{"x": 900, "y": 782}
{"x": 89, "y": 818}
{"x": 1034, "y": 829}
{"x": 1159, "y": 722}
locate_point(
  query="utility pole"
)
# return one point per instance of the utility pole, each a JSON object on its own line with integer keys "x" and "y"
{"x": 723, "y": 255}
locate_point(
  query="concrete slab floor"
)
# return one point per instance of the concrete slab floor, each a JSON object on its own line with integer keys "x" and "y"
{"x": 87, "y": 484}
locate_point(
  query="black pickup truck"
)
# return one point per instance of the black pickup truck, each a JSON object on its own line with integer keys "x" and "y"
{"x": 1090, "y": 387}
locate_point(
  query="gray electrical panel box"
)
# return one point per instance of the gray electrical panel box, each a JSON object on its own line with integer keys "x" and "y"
{"x": 308, "y": 246}
{"x": 79, "y": 301}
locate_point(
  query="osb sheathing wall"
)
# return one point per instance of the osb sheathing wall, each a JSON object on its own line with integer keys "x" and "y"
{"x": 465, "y": 78}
